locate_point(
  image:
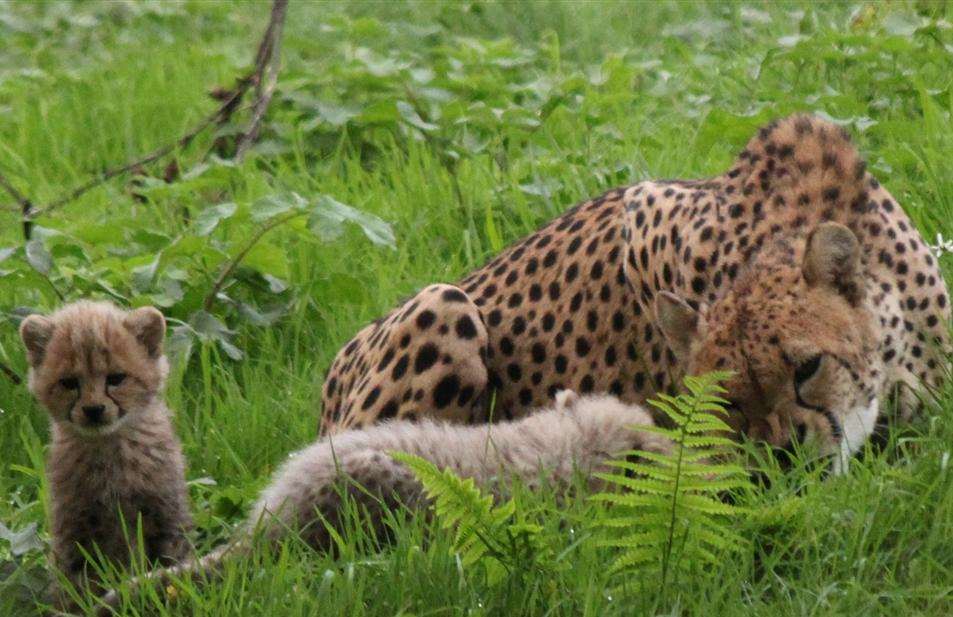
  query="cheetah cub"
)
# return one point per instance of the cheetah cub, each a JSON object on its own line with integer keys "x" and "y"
{"x": 305, "y": 496}
{"x": 114, "y": 461}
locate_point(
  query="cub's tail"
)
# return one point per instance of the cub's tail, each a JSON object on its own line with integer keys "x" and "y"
{"x": 196, "y": 569}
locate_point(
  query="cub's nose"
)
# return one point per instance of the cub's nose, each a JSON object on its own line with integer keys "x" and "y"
{"x": 94, "y": 413}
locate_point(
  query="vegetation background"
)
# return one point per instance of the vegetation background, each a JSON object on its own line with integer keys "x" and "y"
{"x": 407, "y": 143}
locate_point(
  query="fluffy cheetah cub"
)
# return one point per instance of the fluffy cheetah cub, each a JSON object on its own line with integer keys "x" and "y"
{"x": 576, "y": 434}
{"x": 115, "y": 459}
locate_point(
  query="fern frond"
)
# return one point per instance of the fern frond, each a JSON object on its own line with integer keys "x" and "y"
{"x": 717, "y": 486}
{"x": 656, "y": 472}
{"x": 657, "y": 430}
{"x": 634, "y": 557}
{"x": 631, "y": 500}
{"x": 696, "y": 441}
{"x": 496, "y": 536}
{"x": 642, "y": 484}
{"x": 647, "y": 519}
{"x": 670, "y": 502}
{"x": 460, "y": 506}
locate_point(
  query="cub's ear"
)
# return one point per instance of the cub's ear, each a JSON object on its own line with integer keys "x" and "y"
{"x": 566, "y": 399}
{"x": 679, "y": 322}
{"x": 148, "y": 326}
{"x": 832, "y": 260}
{"x": 35, "y": 332}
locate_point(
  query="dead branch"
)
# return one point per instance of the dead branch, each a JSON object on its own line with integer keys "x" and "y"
{"x": 267, "y": 64}
{"x": 26, "y": 206}
{"x": 264, "y": 77}
{"x": 11, "y": 374}
{"x": 153, "y": 156}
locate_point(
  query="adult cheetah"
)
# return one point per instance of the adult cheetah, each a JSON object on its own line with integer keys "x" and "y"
{"x": 795, "y": 269}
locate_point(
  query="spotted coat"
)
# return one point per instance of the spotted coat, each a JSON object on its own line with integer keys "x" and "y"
{"x": 575, "y": 304}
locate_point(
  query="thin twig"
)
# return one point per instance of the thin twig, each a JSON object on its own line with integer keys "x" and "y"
{"x": 237, "y": 259}
{"x": 153, "y": 156}
{"x": 268, "y": 57}
{"x": 26, "y": 206}
{"x": 21, "y": 200}
{"x": 11, "y": 374}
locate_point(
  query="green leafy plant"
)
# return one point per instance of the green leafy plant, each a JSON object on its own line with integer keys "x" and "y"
{"x": 668, "y": 512}
{"x": 222, "y": 268}
{"x": 501, "y": 538}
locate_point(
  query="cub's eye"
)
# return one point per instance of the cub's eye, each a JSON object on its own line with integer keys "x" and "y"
{"x": 114, "y": 379}
{"x": 70, "y": 383}
{"x": 806, "y": 370}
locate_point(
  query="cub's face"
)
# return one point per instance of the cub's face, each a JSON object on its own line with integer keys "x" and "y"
{"x": 800, "y": 341}
{"x": 94, "y": 366}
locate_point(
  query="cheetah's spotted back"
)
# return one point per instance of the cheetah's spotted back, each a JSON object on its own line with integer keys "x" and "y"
{"x": 626, "y": 292}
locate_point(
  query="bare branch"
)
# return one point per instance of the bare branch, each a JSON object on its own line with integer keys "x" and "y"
{"x": 267, "y": 60}
{"x": 26, "y": 206}
{"x": 264, "y": 77}
{"x": 11, "y": 374}
{"x": 21, "y": 200}
{"x": 153, "y": 156}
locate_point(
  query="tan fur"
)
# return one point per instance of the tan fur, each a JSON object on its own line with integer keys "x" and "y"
{"x": 576, "y": 434}
{"x": 837, "y": 405}
{"x": 604, "y": 299}
{"x": 121, "y": 463}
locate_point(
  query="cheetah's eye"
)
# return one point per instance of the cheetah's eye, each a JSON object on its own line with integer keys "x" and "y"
{"x": 114, "y": 379}
{"x": 70, "y": 383}
{"x": 806, "y": 370}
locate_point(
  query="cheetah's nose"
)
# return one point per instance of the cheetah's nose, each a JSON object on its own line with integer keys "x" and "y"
{"x": 94, "y": 413}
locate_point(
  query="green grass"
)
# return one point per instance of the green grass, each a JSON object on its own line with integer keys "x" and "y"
{"x": 622, "y": 92}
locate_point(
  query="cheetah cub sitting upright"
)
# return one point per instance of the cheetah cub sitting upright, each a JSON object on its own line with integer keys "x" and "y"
{"x": 305, "y": 496}
{"x": 115, "y": 461}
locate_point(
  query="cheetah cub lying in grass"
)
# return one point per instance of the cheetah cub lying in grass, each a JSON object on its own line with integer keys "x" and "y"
{"x": 115, "y": 461}
{"x": 575, "y": 434}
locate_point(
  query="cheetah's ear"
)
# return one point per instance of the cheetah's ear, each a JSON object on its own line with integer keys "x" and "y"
{"x": 36, "y": 332}
{"x": 679, "y": 322}
{"x": 148, "y": 326}
{"x": 832, "y": 259}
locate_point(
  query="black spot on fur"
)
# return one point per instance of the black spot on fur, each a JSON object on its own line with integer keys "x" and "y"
{"x": 425, "y": 319}
{"x": 426, "y": 357}
{"x": 453, "y": 295}
{"x": 446, "y": 390}
{"x": 465, "y": 328}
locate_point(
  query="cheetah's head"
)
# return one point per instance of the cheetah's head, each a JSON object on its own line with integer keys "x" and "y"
{"x": 796, "y": 331}
{"x": 95, "y": 366}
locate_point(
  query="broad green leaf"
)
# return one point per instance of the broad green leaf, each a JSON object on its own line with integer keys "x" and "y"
{"x": 22, "y": 541}
{"x": 38, "y": 257}
{"x": 272, "y": 205}
{"x": 380, "y": 112}
{"x": 258, "y": 317}
{"x": 230, "y": 350}
{"x": 170, "y": 293}
{"x": 268, "y": 258}
{"x": 142, "y": 276}
{"x": 275, "y": 284}
{"x": 208, "y": 326}
{"x": 328, "y": 215}
{"x": 334, "y": 114}
{"x": 179, "y": 345}
{"x": 410, "y": 116}
{"x": 209, "y": 218}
